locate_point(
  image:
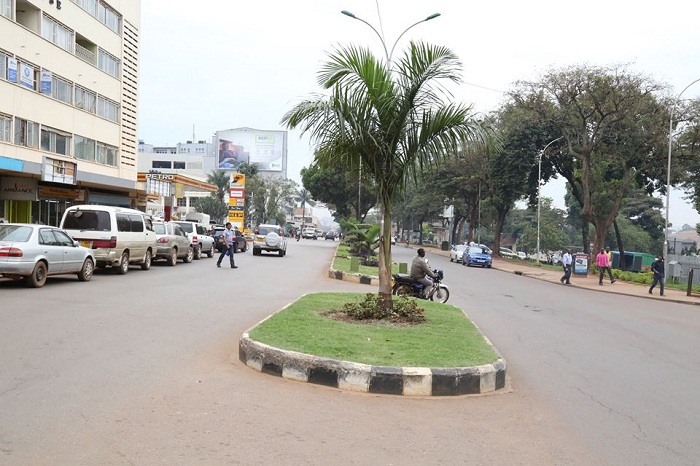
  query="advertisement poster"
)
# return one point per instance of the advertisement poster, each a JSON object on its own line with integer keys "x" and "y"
{"x": 26, "y": 76}
{"x": 581, "y": 264}
{"x": 12, "y": 70}
{"x": 266, "y": 149}
{"x": 46, "y": 79}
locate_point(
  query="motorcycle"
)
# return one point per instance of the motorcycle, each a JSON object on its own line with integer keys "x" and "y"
{"x": 404, "y": 285}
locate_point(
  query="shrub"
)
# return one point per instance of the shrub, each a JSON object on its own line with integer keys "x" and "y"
{"x": 404, "y": 310}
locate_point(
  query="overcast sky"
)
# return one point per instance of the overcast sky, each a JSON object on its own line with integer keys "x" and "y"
{"x": 220, "y": 64}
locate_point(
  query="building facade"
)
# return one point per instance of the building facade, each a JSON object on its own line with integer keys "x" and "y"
{"x": 68, "y": 106}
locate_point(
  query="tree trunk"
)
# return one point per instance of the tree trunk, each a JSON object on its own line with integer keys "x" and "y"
{"x": 584, "y": 237}
{"x": 385, "y": 259}
{"x": 472, "y": 222}
{"x": 500, "y": 219}
{"x": 620, "y": 247}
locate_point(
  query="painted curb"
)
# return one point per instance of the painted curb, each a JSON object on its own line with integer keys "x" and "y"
{"x": 353, "y": 277}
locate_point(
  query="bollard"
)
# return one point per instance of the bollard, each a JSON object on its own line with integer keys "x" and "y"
{"x": 354, "y": 264}
{"x": 403, "y": 267}
{"x": 690, "y": 282}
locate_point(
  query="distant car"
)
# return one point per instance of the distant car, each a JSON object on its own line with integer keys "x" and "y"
{"x": 269, "y": 238}
{"x": 522, "y": 255}
{"x": 199, "y": 237}
{"x": 508, "y": 253}
{"x": 330, "y": 235}
{"x": 309, "y": 233}
{"x": 217, "y": 235}
{"x": 34, "y": 252}
{"x": 456, "y": 252}
{"x": 477, "y": 255}
{"x": 172, "y": 243}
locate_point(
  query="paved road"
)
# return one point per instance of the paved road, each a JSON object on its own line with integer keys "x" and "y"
{"x": 136, "y": 370}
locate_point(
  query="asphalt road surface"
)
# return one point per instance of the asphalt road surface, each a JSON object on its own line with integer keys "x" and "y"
{"x": 137, "y": 370}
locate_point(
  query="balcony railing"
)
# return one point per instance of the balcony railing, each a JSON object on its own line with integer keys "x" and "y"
{"x": 84, "y": 54}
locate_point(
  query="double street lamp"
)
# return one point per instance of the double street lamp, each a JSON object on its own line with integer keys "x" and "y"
{"x": 668, "y": 168}
{"x": 539, "y": 185}
{"x": 388, "y": 54}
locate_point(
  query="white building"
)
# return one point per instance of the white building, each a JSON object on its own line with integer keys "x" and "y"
{"x": 68, "y": 106}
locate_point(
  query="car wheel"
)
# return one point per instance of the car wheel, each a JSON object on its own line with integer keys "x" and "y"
{"x": 245, "y": 247}
{"x": 451, "y": 259}
{"x": 197, "y": 254}
{"x": 256, "y": 251}
{"x": 123, "y": 264}
{"x": 190, "y": 255}
{"x": 172, "y": 260}
{"x": 147, "y": 261}
{"x": 282, "y": 253}
{"x": 38, "y": 277}
{"x": 86, "y": 271}
{"x": 210, "y": 252}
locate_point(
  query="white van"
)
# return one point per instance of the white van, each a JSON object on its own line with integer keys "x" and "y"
{"x": 118, "y": 236}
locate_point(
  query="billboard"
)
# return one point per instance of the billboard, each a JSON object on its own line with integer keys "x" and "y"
{"x": 266, "y": 149}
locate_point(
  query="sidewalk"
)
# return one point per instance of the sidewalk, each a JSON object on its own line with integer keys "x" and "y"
{"x": 589, "y": 282}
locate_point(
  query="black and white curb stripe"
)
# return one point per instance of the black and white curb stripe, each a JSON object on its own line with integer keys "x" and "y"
{"x": 351, "y": 376}
{"x": 353, "y": 277}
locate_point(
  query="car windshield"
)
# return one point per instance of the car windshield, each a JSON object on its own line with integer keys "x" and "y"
{"x": 187, "y": 226}
{"x": 477, "y": 250}
{"x": 263, "y": 230}
{"x": 17, "y": 233}
{"x": 86, "y": 220}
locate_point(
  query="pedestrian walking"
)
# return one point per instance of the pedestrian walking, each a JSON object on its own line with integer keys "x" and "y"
{"x": 229, "y": 247}
{"x": 566, "y": 263}
{"x": 659, "y": 275}
{"x": 609, "y": 254}
{"x": 603, "y": 264}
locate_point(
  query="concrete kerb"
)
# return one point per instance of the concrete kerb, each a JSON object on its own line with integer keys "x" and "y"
{"x": 351, "y": 376}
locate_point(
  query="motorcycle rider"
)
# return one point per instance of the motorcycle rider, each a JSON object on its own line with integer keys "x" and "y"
{"x": 419, "y": 269}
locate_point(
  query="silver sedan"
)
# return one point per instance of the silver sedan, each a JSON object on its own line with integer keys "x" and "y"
{"x": 34, "y": 252}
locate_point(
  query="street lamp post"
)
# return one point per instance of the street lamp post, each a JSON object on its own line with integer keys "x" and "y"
{"x": 668, "y": 168}
{"x": 539, "y": 178}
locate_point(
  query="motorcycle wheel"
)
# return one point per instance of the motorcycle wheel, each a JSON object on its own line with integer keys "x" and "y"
{"x": 403, "y": 290}
{"x": 441, "y": 294}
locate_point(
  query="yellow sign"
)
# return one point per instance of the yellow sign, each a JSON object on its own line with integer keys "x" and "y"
{"x": 235, "y": 215}
{"x": 237, "y": 180}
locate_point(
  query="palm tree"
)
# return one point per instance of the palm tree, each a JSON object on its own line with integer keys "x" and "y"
{"x": 222, "y": 180}
{"x": 304, "y": 197}
{"x": 388, "y": 117}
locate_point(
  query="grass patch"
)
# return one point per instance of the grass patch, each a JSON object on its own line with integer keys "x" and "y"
{"x": 447, "y": 338}
{"x": 341, "y": 262}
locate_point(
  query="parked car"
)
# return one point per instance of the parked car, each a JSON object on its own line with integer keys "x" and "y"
{"x": 217, "y": 235}
{"x": 173, "y": 243}
{"x": 476, "y": 255}
{"x": 508, "y": 253}
{"x": 269, "y": 238}
{"x": 456, "y": 252}
{"x": 118, "y": 236}
{"x": 34, "y": 252}
{"x": 309, "y": 233}
{"x": 522, "y": 255}
{"x": 199, "y": 237}
{"x": 330, "y": 235}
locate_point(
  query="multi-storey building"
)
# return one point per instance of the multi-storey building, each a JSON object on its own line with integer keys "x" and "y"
{"x": 68, "y": 106}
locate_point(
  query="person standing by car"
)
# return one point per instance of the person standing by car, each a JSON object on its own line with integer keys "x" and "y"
{"x": 419, "y": 269}
{"x": 603, "y": 264}
{"x": 658, "y": 268}
{"x": 566, "y": 263}
{"x": 229, "y": 246}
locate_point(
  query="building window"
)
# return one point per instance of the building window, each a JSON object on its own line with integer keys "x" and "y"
{"x": 57, "y": 33}
{"x": 88, "y": 5}
{"x": 6, "y": 8}
{"x": 61, "y": 89}
{"x": 59, "y": 171}
{"x": 108, "y": 109}
{"x": 179, "y": 165}
{"x": 108, "y": 63}
{"x": 106, "y": 154}
{"x": 5, "y": 128}
{"x": 182, "y": 202}
{"x": 55, "y": 141}
{"x": 108, "y": 17}
{"x": 85, "y": 99}
{"x": 3, "y": 63}
{"x": 26, "y": 133}
{"x": 162, "y": 164}
{"x": 83, "y": 148}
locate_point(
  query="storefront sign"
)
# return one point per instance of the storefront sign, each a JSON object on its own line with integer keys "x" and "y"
{"x": 160, "y": 176}
{"x": 53, "y": 192}
{"x": 18, "y": 189}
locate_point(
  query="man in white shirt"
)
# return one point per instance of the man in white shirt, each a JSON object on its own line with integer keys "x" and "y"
{"x": 229, "y": 246}
{"x": 566, "y": 263}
